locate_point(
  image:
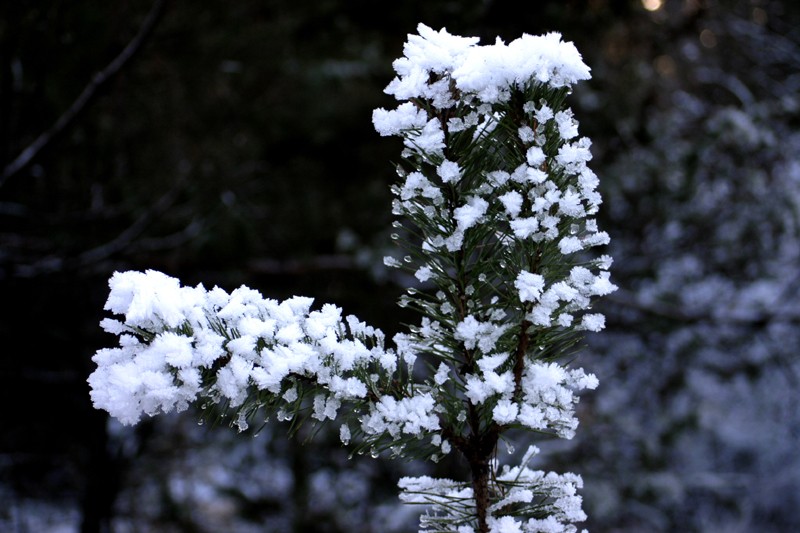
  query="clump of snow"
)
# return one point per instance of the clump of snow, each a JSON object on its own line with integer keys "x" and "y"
{"x": 256, "y": 343}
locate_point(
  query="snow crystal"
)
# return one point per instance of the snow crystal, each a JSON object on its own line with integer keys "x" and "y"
{"x": 290, "y": 333}
{"x": 564, "y": 320}
{"x": 483, "y": 335}
{"x": 524, "y": 227}
{"x": 344, "y": 434}
{"x": 535, "y": 156}
{"x": 442, "y": 374}
{"x": 512, "y": 202}
{"x": 492, "y": 383}
{"x": 469, "y": 214}
{"x": 489, "y": 363}
{"x": 569, "y": 245}
{"x": 526, "y": 134}
{"x": 567, "y": 127}
{"x": 543, "y": 114}
{"x": 593, "y": 322}
{"x": 176, "y": 349}
{"x": 449, "y": 171}
{"x": 424, "y": 273}
{"x": 430, "y": 140}
{"x": 535, "y": 175}
{"x": 604, "y": 262}
{"x": 406, "y": 117}
{"x": 529, "y": 285}
{"x": 391, "y": 262}
{"x": 115, "y": 327}
{"x": 505, "y": 524}
{"x": 417, "y": 184}
{"x": 570, "y": 204}
{"x": 290, "y": 395}
{"x": 573, "y": 156}
{"x": 505, "y": 412}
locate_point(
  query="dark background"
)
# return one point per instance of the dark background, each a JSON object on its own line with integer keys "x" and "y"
{"x": 234, "y": 145}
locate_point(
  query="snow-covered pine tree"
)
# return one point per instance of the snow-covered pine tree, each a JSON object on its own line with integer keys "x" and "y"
{"x": 496, "y": 207}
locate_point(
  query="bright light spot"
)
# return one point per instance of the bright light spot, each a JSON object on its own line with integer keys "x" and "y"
{"x": 652, "y": 5}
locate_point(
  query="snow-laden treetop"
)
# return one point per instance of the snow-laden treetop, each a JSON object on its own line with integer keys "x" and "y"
{"x": 488, "y": 72}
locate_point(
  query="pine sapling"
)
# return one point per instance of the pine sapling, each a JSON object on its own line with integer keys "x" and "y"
{"x": 495, "y": 207}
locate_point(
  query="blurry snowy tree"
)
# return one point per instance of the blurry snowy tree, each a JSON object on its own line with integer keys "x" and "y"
{"x": 497, "y": 207}
{"x": 698, "y": 428}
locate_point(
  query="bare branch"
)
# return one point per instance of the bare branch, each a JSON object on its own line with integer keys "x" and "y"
{"x": 120, "y": 242}
{"x": 87, "y": 95}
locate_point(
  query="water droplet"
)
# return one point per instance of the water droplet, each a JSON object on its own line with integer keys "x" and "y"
{"x": 502, "y": 264}
{"x": 412, "y": 290}
{"x": 482, "y": 278}
{"x": 397, "y": 224}
{"x": 200, "y": 422}
{"x": 408, "y": 259}
{"x": 509, "y": 448}
{"x": 374, "y": 453}
{"x": 394, "y": 236}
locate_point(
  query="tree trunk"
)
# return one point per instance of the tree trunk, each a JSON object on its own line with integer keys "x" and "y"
{"x": 480, "y": 486}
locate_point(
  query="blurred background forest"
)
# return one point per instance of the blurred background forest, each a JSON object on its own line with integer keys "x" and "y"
{"x": 230, "y": 143}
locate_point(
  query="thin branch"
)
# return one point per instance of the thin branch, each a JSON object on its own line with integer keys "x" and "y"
{"x": 120, "y": 242}
{"x": 87, "y": 95}
{"x": 125, "y": 238}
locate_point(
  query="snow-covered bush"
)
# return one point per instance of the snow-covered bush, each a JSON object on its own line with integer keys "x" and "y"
{"x": 496, "y": 207}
